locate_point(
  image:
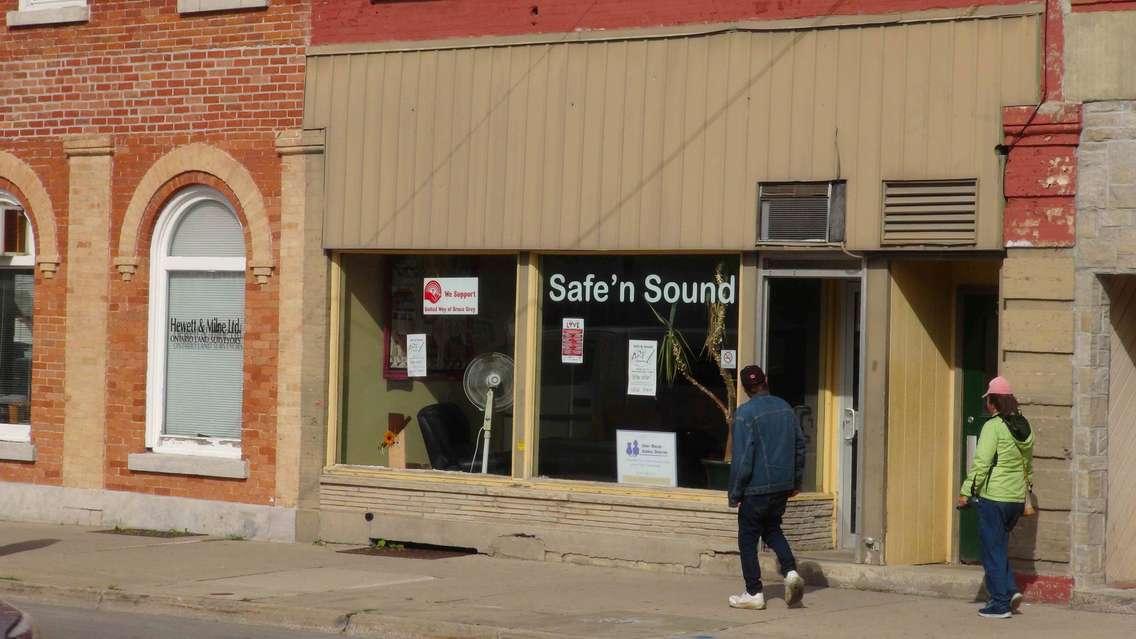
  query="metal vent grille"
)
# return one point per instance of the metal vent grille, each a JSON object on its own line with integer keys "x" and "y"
{"x": 930, "y": 212}
{"x": 796, "y": 212}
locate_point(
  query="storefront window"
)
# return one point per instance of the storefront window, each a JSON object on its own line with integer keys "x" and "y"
{"x": 604, "y": 394}
{"x": 421, "y": 335}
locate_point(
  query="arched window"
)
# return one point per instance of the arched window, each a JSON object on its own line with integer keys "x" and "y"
{"x": 17, "y": 279}
{"x": 195, "y": 374}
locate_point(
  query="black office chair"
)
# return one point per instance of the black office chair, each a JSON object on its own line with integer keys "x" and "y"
{"x": 449, "y": 444}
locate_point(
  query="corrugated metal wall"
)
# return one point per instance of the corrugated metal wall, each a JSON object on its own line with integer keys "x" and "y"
{"x": 658, "y": 143}
{"x": 920, "y": 483}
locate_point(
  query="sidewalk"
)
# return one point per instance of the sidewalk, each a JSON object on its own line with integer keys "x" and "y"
{"x": 316, "y": 587}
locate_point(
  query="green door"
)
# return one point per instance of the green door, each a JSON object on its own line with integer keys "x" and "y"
{"x": 978, "y": 335}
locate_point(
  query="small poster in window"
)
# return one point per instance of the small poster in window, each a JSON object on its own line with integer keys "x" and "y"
{"x": 729, "y": 359}
{"x": 449, "y": 296}
{"x": 416, "y": 355}
{"x": 572, "y": 341}
{"x": 642, "y": 364}
{"x": 646, "y": 458}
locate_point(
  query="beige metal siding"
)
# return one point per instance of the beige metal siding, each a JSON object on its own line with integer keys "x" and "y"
{"x": 920, "y": 414}
{"x": 658, "y": 143}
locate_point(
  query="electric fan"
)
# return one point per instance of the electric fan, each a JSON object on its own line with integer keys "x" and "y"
{"x": 488, "y": 383}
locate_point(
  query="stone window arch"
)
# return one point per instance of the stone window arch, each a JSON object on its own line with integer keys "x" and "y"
{"x": 39, "y": 211}
{"x": 208, "y": 159}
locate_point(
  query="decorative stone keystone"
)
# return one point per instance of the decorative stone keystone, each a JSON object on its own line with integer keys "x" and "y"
{"x": 261, "y": 273}
{"x": 126, "y": 266}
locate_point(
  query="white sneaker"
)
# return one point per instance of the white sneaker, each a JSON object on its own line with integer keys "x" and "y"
{"x": 794, "y": 588}
{"x": 748, "y": 601}
{"x": 1016, "y": 603}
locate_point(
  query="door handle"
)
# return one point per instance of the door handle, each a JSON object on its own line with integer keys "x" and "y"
{"x": 848, "y": 424}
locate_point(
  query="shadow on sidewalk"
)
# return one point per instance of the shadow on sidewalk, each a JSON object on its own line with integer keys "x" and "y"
{"x": 24, "y": 546}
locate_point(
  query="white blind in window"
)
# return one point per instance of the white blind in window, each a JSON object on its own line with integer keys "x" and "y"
{"x": 204, "y": 354}
{"x": 208, "y": 230}
{"x": 15, "y": 345}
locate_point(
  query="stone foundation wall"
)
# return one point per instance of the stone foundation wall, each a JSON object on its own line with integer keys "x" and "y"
{"x": 1106, "y": 245}
{"x": 548, "y": 522}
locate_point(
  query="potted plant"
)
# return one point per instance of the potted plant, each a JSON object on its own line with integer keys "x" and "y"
{"x": 675, "y": 357}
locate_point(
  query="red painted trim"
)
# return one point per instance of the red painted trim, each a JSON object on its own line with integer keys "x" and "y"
{"x": 1048, "y": 589}
{"x": 1053, "y": 59}
{"x": 1089, "y": 6}
{"x": 1040, "y": 181}
{"x": 346, "y": 21}
{"x": 1048, "y": 124}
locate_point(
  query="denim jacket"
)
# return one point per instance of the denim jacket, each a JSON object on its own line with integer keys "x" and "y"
{"x": 769, "y": 449}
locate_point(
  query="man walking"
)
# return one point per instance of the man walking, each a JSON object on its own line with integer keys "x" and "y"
{"x": 767, "y": 469}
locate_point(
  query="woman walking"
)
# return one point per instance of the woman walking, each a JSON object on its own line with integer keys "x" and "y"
{"x": 998, "y": 485}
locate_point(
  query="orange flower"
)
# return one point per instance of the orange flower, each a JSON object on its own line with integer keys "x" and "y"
{"x": 388, "y": 440}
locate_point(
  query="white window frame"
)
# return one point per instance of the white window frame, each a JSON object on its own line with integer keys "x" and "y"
{"x": 37, "y": 5}
{"x": 161, "y": 264}
{"x": 17, "y": 432}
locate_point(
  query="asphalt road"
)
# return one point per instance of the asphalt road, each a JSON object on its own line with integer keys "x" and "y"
{"x": 59, "y": 622}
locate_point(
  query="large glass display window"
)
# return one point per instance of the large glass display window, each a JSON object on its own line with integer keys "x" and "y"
{"x": 424, "y": 338}
{"x": 614, "y": 404}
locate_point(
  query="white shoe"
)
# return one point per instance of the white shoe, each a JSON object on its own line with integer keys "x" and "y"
{"x": 748, "y": 601}
{"x": 794, "y": 588}
{"x": 1016, "y": 602}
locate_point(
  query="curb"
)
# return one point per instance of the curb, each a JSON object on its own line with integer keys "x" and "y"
{"x": 190, "y": 607}
{"x": 361, "y": 624}
{"x": 1104, "y": 599}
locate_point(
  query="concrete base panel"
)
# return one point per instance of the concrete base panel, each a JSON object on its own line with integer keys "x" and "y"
{"x": 1105, "y": 600}
{"x": 84, "y": 507}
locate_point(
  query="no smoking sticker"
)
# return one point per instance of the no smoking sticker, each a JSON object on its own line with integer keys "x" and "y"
{"x": 729, "y": 359}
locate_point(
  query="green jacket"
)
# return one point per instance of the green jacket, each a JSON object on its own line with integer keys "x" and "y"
{"x": 1007, "y": 446}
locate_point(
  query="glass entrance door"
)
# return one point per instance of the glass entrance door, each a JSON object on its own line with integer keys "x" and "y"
{"x": 850, "y": 418}
{"x": 811, "y": 346}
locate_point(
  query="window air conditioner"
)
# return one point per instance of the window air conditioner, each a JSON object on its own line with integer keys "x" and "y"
{"x": 806, "y": 212}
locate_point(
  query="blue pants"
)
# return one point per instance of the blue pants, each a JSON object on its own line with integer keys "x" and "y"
{"x": 759, "y": 517}
{"x": 995, "y": 521}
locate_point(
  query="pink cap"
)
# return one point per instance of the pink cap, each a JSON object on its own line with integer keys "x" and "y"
{"x": 998, "y": 386}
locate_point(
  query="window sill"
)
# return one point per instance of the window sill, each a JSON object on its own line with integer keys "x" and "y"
{"x": 205, "y": 6}
{"x": 33, "y": 17}
{"x": 196, "y": 465}
{"x": 569, "y": 489}
{"x": 17, "y": 451}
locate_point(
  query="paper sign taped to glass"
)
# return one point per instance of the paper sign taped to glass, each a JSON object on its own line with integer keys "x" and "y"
{"x": 646, "y": 458}
{"x": 572, "y": 341}
{"x": 416, "y": 355}
{"x": 642, "y": 367}
{"x": 449, "y": 296}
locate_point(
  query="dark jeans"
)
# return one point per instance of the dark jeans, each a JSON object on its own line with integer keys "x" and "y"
{"x": 995, "y": 521}
{"x": 759, "y": 517}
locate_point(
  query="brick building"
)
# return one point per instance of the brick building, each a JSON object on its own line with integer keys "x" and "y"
{"x": 889, "y": 201}
{"x": 153, "y": 177}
